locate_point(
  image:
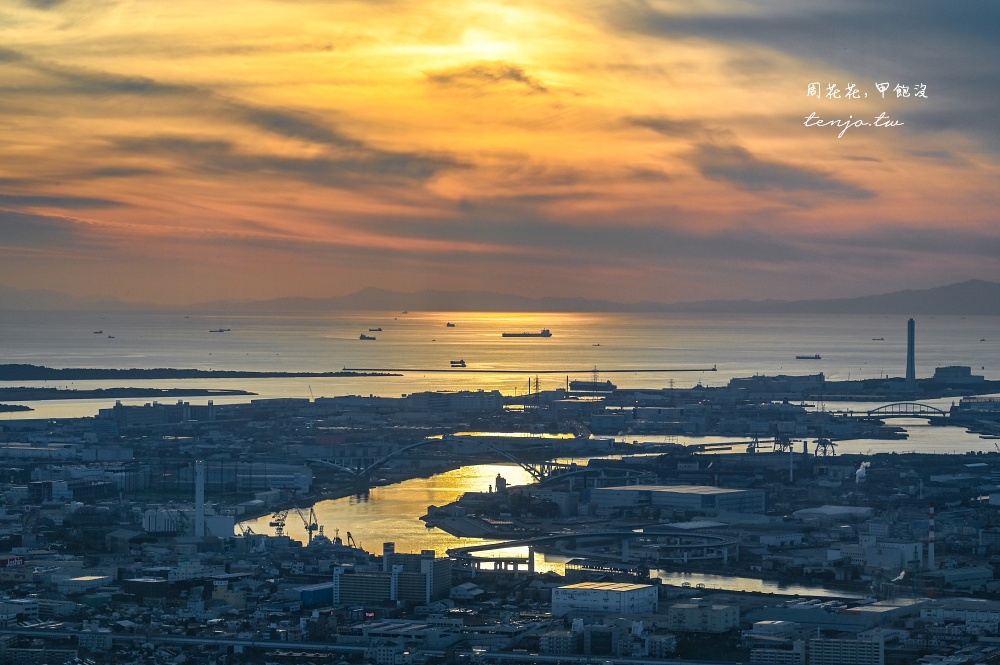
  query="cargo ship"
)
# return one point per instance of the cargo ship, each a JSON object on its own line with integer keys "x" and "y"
{"x": 812, "y": 357}
{"x": 544, "y": 333}
{"x": 592, "y": 386}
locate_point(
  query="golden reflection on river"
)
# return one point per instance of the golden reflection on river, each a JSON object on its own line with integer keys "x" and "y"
{"x": 392, "y": 513}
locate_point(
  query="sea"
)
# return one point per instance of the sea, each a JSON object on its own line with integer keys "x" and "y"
{"x": 632, "y": 350}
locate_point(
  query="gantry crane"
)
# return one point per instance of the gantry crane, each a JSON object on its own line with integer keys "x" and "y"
{"x": 825, "y": 447}
{"x": 309, "y": 522}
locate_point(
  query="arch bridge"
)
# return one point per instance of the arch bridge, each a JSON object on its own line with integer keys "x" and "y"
{"x": 540, "y": 471}
{"x": 547, "y": 470}
{"x": 361, "y": 469}
{"x": 362, "y": 472}
{"x": 907, "y": 410}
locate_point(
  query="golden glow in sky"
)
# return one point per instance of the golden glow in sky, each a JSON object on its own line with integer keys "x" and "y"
{"x": 185, "y": 151}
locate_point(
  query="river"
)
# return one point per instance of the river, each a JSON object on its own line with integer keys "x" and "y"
{"x": 395, "y": 509}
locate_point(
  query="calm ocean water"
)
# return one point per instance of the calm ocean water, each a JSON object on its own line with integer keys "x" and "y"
{"x": 617, "y": 345}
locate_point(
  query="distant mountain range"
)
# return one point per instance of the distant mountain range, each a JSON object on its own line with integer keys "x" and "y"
{"x": 45, "y": 300}
{"x": 966, "y": 298}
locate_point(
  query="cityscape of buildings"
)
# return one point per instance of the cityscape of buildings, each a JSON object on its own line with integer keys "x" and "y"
{"x": 125, "y": 537}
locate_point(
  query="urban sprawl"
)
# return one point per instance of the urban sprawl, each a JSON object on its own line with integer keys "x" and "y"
{"x": 125, "y": 537}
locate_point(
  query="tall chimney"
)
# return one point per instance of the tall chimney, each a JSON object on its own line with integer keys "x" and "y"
{"x": 911, "y": 366}
{"x": 930, "y": 540}
{"x": 199, "y": 499}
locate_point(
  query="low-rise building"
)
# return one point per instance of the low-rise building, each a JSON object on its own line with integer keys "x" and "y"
{"x": 702, "y": 617}
{"x": 605, "y": 598}
{"x": 561, "y": 642}
{"x": 831, "y": 651}
{"x": 965, "y": 578}
{"x": 82, "y": 584}
{"x": 699, "y": 498}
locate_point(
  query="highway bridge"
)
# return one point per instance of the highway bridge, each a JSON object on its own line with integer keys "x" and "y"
{"x": 665, "y": 546}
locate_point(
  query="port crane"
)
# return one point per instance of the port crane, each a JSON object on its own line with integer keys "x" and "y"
{"x": 782, "y": 443}
{"x": 825, "y": 447}
{"x": 308, "y": 521}
{"x": 278, "y": 522}
{"x": 337, "y": 541}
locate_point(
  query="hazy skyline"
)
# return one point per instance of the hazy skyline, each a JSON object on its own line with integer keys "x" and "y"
{"x": 637, "y": 150}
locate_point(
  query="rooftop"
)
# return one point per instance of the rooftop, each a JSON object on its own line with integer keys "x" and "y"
{"x": 606, "y": 586}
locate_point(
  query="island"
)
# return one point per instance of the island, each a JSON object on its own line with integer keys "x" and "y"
{"x": 25, "y": 372}
{"x": 25, "y": 394}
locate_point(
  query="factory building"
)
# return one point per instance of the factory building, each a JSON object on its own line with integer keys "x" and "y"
{"x": 605, "y": 598}
{"x": 697, "y": 498}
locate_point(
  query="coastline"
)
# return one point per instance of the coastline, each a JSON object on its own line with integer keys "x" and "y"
{"x": 22, "y": 372}
{"x": 26, "y": 394}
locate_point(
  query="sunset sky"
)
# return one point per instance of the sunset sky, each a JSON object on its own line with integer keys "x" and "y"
{"x": 178, "y": 151}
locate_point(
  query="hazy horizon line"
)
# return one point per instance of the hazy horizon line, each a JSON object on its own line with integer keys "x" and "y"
{"x": 970, "y": 297}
